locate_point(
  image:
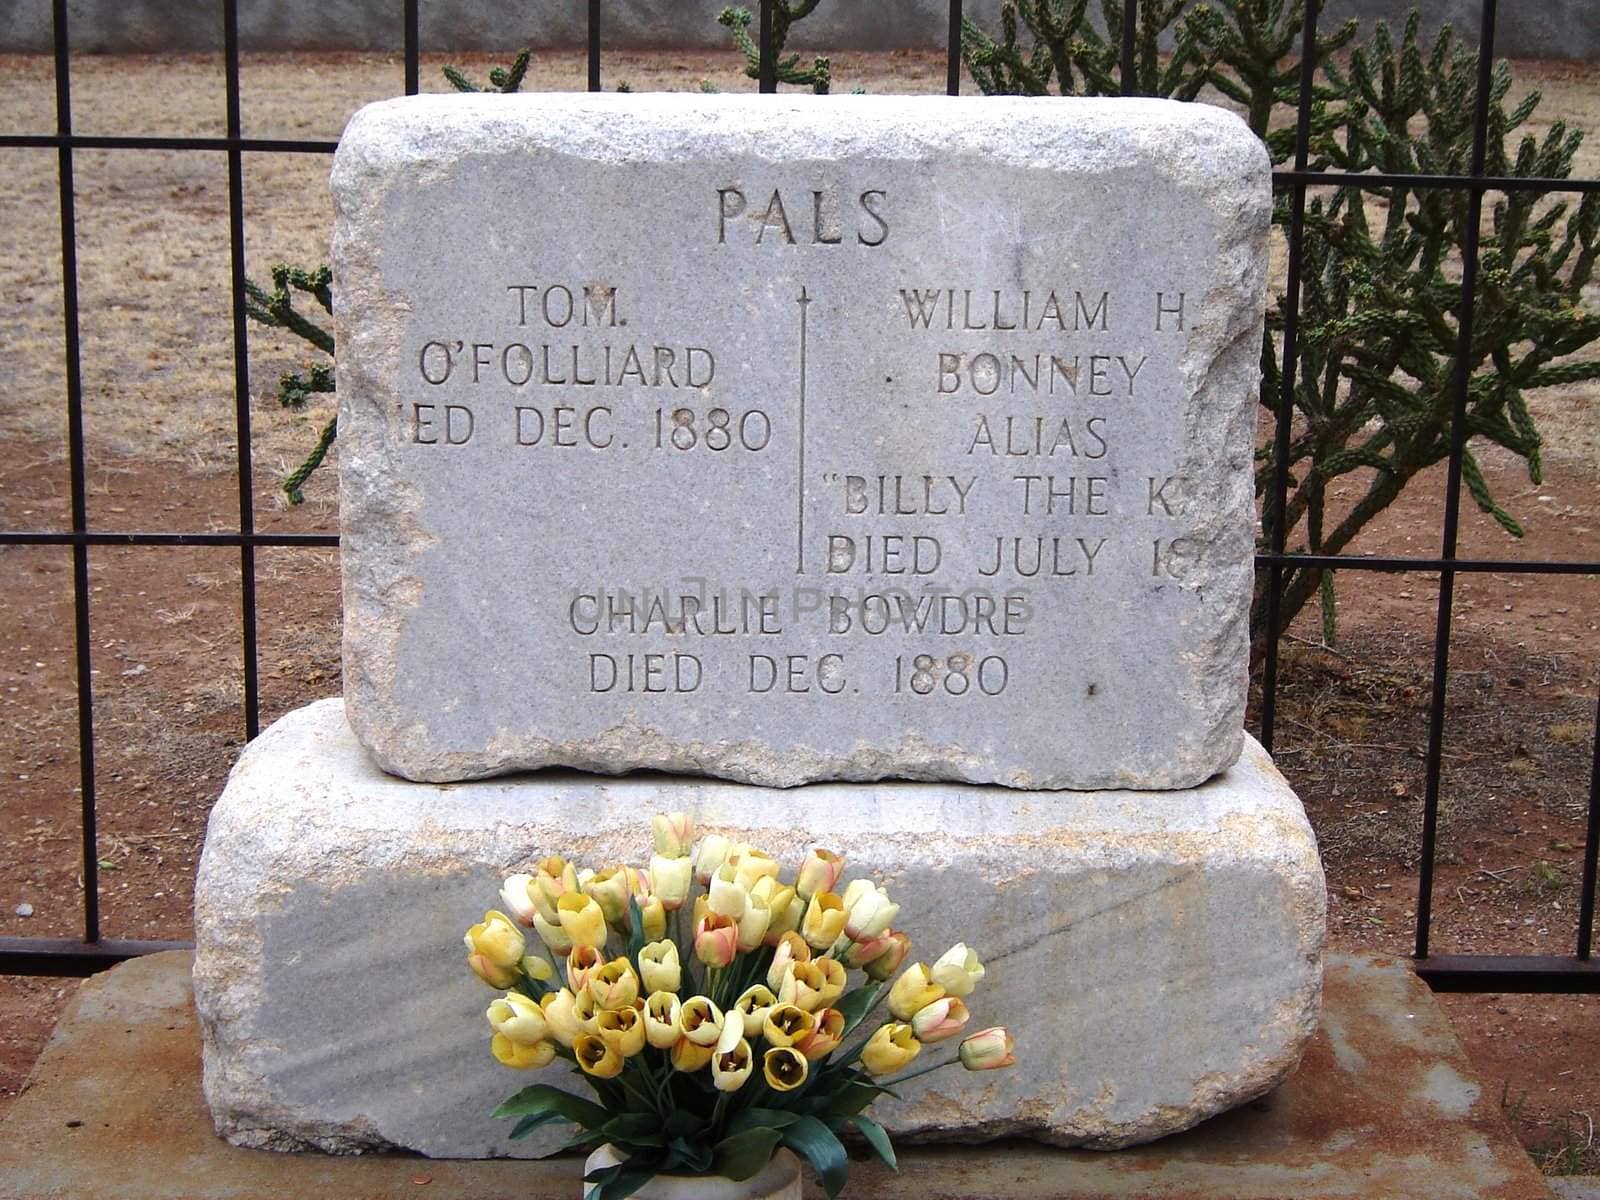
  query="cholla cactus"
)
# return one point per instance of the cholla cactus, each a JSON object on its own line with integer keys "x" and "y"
{"x": 276, "y": 309}
{"x": 1378, "y": 344}
{"x": 1380, "y": 283}
{"x": 818, "y": 76}
{"x": 504, "y": 80}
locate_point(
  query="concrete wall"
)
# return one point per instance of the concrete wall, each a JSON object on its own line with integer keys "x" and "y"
{"x": 1526, "y": 28}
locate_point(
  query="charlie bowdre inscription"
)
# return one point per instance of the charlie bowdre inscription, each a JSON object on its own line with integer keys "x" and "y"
{"x": 792, "y": 439}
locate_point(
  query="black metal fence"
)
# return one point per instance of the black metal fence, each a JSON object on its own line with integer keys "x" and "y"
{"x": 1480, "y": 972}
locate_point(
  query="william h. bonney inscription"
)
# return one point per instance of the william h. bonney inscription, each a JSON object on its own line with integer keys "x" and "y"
{"x": 787, "y": 439}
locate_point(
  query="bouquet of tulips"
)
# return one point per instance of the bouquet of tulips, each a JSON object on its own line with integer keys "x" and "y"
{"x": 708, "y": 1004}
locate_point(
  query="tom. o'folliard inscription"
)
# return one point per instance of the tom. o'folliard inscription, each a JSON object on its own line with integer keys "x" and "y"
{"x": 793, "y": 439}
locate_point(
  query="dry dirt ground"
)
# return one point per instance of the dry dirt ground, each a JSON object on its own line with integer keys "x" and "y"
{"x": 159, "y": 416}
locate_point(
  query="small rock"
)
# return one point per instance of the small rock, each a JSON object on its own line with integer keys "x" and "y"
{"x": 24, "y": 910}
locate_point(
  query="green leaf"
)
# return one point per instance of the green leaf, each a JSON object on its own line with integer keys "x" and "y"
{"x": 681, "y": 1123}
{"x": 854, "y": 1004}
{"x": 635, "y": 931}
{"x": 853, "y": 1097}
{"x": 751, "y": 1118}
{"x": 744, "y": 1154}
{"x": 541, "y": 1098}
{"x": 618, "y": 1182}
{"x": 694, "y": 1155}
{"x": 822, "y": 1150}
{"x": 529, "y": 1123}
{"x": 878, "y": 1138}
{"x": 641, "y": 1128}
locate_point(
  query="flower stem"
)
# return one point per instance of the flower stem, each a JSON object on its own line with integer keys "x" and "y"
{"x": 882, "y": 995}
{"x": 928, "y": 1070}
{"x": 649, "y": 1103}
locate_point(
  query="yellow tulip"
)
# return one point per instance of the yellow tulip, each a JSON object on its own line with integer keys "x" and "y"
{"x": 663, "y": 1024}
{"x": 857, "y": 955}
{"x": 825, "y": 1038}
{"x": 957, "y": 970}
{"x": 753, "y": 924}
{"x": 659, "y": 967}
{"x": 521, "y": 898}
{"x": 652, "y": 917}
{"x": 691, "y": 1056}
{"x": 788, "y": 921}
{"x": 912, "y": 991}
{"x": 786, "y": 1024}
{"x": 673, "y": 834}
{"x": 537, "y": 968}
{"x": 702, "y": 1021}
{"x": 802, "y": 986}
{"x": 819, "y": 873}
{"x": 583, "y": 962}
{"x": 890, "y": 1049}
{"x": 585, "y": 1011}
{"x": 497, "y": 940}
{"x": 609, "y": 889}
{"x": 791, "y": 948}
{"x": 518, "y": 1018}
{"x": 940, "y": 1020}
{"x": 582, "y": 919}
{"x": 834, "y": 978}
{"x": 887, "y": 962}
{"x": 730, "y": 1068}
{"x": 824, "y": 920}
{"x": 709, "y": 858}
{"x": 670, "y": 879}
{"x": 623, "y": 1029}
{"x": 498, "y": 978}
{"x": 560, "y": 1017}
{"x": 870, "y": 912}
{"x": 716, "y": 940}
{"x": 522, "y": 1056}
{"x": 726, "y": 896}
{"x": 752, "y": 1006}
{"x": 785, "y": 909}
{"x": 553, "y": 936}
{"x": 614, "y": 984}
{"x": 552, "y": 879}
{"x": 754, "y": 865}
{"x": 784, "y": 1068}
{"x": 597, "y": 1056}
{"x": 988, "y": 1050}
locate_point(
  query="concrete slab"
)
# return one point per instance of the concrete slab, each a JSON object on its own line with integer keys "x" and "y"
{"x": 1181, "y": 934}
{"x": 1384, "y": 1105}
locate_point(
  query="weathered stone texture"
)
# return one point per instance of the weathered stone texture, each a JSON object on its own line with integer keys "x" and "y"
{"x": 926, "y": 422}
{"x": 1158, "y": 962}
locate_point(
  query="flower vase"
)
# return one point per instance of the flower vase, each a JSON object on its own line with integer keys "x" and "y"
{"x": 778, "y": 1180}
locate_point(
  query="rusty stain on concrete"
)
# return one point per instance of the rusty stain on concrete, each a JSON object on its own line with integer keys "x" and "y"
{"x": 1384, "y": 1105}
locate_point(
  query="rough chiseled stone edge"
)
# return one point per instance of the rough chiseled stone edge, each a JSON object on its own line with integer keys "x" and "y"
{"x": 239, "y": 877}
{"x": 1199, "y": 148}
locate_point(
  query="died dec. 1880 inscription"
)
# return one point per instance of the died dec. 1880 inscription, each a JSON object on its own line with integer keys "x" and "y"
{"x": 794, "y": 439}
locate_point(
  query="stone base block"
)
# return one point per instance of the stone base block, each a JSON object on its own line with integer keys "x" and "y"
{"x": 1158, "y": 955}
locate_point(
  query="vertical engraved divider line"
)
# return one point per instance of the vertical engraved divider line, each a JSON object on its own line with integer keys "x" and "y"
{"x": 804, "y": 301}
